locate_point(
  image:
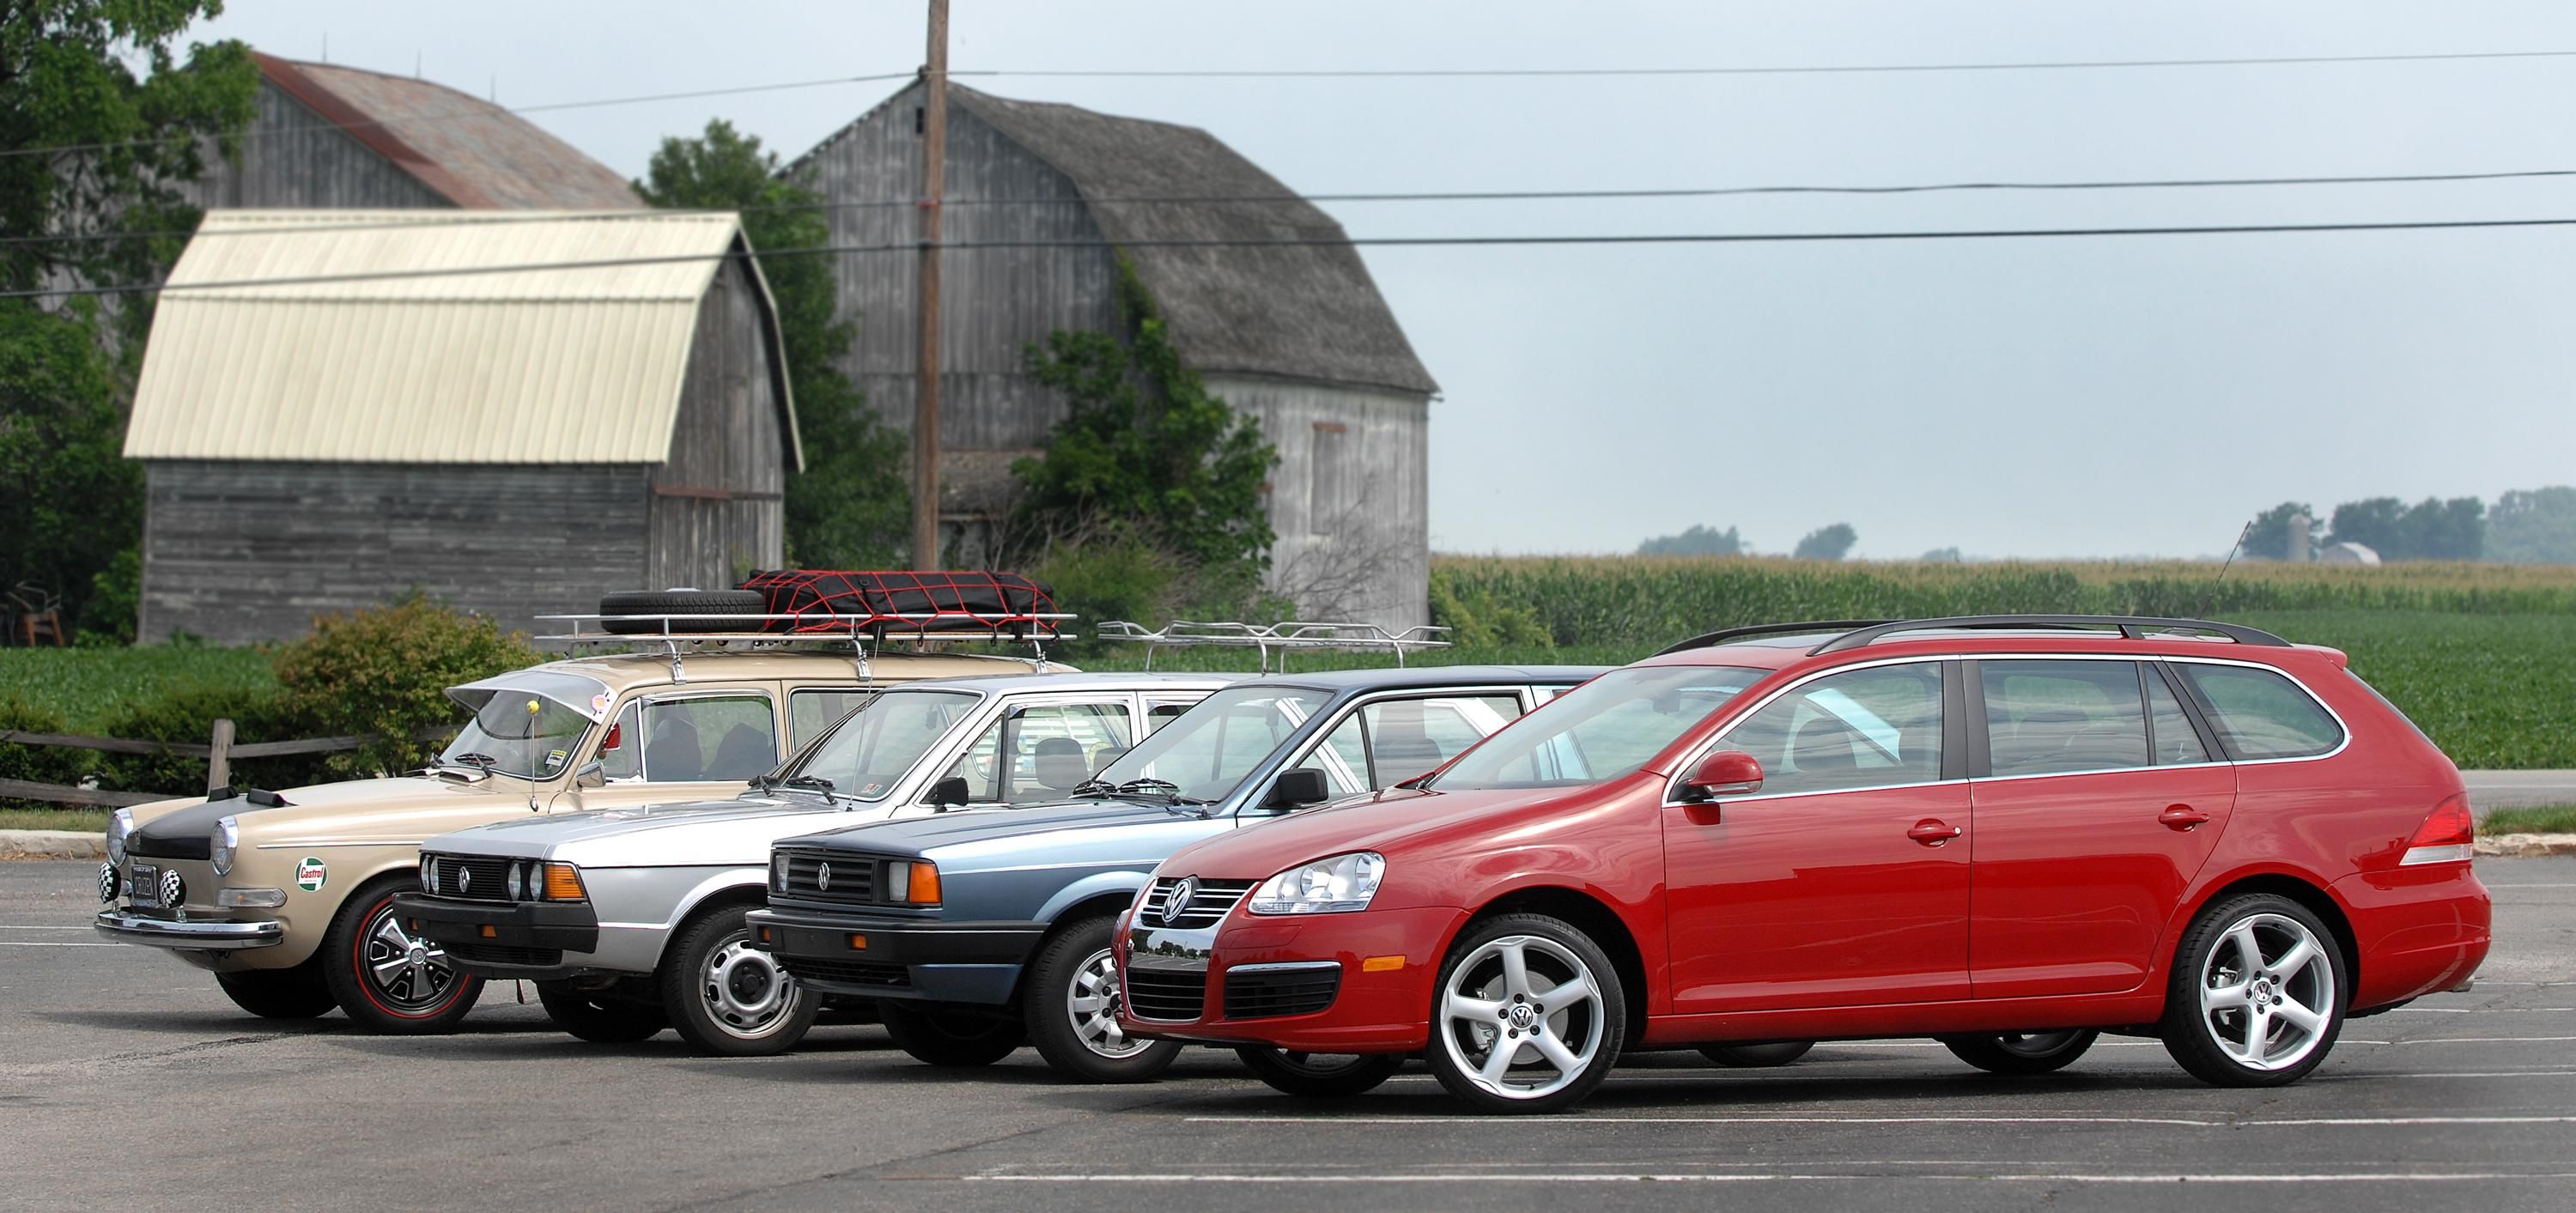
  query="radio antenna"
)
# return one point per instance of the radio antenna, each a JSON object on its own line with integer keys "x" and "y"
{"x": 2209, "y": 597}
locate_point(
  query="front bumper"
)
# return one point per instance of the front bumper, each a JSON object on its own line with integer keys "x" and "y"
{"x": 502, "y": 938}
{"x": 1380, "y": 1004}
{"x": 126, "y": 926}
{"x": 908, "y": 958}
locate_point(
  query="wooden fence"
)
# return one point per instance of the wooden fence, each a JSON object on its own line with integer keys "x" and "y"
{"x": 219, "y": 752}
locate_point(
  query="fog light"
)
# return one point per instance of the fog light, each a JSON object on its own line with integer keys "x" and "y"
{"x": 250, "y": 899}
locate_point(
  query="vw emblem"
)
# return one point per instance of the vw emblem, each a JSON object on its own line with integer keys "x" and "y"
{"x": 465, "y": 880}
{"x": 823, "y": 879}
{"x": 1179, "y": 902}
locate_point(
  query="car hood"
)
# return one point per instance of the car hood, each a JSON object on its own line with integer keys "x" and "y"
{"x": 1385, "y": 821}
{"x": 973, "y": 830}
{"x": 337, "y": 804}
{"x": 735, "y": 830}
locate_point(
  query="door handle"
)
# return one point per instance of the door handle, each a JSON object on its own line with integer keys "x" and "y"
{"x": 1932, "y": 832}
{"x": 2182, "y": 817}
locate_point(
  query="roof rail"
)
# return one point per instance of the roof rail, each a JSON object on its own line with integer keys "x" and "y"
{"x": 1723, "y": 635}
{"x": 2135, "y": 627}
{"x": 670, "y": 632}
{"x": 1284, "y": 637}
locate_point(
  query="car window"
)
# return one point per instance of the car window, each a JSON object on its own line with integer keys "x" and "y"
{"x": 2171, "y": 732}
{"x": 1042, "y": 752}
{"x": 1214, "y": 746}
{"x": 812, "y": 712}
{"x": 2052, "y": 717}
{"x": 1858, "y": 729}
{"x": 711, "y": 739}
{"x": 869, "y": 753}
{"x": 2261, "y": 714}
{"x": 621, "y": 752}
{"x": 1162, "y": 712}
{"x": 1409, "y": 737}
{"x": 1343, "y": 758}
{"x": 526, "y": 735}
{"x": 1603, "y": 729}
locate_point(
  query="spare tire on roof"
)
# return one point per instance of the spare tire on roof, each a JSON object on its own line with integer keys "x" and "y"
{"x": 749, "y": 604}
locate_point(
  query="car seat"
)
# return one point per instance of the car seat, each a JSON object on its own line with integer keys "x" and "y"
{"x": 1059, "y": 764}
{"x": 673, "y": 755}
{"x": 1403, "y": 748}
{"x": 744, "y": 752}
{"x": 1823, "y": 747}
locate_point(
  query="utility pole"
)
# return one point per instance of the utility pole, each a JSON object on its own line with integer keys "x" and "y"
{"x": 925, "y": 406}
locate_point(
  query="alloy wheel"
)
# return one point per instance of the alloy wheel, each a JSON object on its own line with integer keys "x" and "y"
{"x": 2267, "y": 991}
{"x": 1091, "y": 1000}
{"x": 410, "y": 974}
{"x": 1522, "y": 1017}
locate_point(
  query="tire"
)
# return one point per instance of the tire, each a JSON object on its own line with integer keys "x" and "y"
{"x": 1757, "y": 1057}
{"x": 2232, "y": 1032}
{"x": 684, "y": 602}
{"x": 590, "y": 1015}
{"x": 296, "y": 993}
{"x": 946, "y": 1034}
{"x": 728, "y": 999}
{"x": 2021, "y": 1054}
{"x": 1320, "y": 1075}
{"x": 386, "y": 980}
{"x": 1068, "y": 1002}
{"x": 1475, "y": 989}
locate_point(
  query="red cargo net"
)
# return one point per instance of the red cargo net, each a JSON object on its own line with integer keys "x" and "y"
{"x": 825, "y": 601}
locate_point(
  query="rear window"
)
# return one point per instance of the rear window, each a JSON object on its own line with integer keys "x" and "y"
{"x": 2261, "y": 714}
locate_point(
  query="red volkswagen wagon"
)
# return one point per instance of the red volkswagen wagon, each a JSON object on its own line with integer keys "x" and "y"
{"x": 2010, "y": 833}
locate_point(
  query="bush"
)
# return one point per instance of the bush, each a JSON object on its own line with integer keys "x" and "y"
{"x": 186, "y": 715}
{"x": 1477, "y": 618}
{"x": 385, "y": 670}
{"x": 38, "y": 764}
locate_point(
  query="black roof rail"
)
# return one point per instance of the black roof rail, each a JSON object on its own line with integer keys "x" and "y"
{"x": 1722, "y": 635}
{"x": 2135, "y": 627}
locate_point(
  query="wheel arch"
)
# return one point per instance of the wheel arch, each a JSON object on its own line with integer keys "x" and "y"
{"x": 1586, "y": 912}
{"x": 2309, "y": 893}
{"x": 1069, "y": 909}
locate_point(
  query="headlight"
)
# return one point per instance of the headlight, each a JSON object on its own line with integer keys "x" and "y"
{"x": 1337, "y": 885}
{"x": 119, "y": 824}
{"x": 517, "y": 882}
{"x": 428, "y": 875}
{"x": 778, "y": 870}
{"x": 219, "y": 845}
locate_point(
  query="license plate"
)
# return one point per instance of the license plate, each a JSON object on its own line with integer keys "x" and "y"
{"x": 146, "y": 880}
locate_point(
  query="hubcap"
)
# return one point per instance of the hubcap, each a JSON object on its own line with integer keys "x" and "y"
{"x": 743, "y": 989}
{"x": 2267, "y": 991}
{"x": 1091, "y": 1002}
{"x": 1522, "y": 1017}
{"x": 412, "y": 974}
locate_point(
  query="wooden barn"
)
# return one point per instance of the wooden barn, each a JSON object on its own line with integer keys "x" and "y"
{"x": 515, "y": 443}
{"x": 1296, "y": 337}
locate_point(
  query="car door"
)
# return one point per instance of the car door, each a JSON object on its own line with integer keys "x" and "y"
{"x": 1843, "y": 880}
{"x": 1041, "y": 751}
{"x": 2097, "y": 800}
{"x": 685, "y": 745}
{"x": 1387, "y": 739}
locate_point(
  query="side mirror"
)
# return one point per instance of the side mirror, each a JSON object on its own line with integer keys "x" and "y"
{"x": 1297, "y": 788}
{"x": 591, "y": 774}
{"x": 949, "y": 792}
{"x": 1724, "y": 773}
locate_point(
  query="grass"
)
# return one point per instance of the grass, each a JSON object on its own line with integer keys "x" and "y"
{"x": 88, "y": 821}
{"x": 2552, "y": 819}
{"x": 87, "y": 687}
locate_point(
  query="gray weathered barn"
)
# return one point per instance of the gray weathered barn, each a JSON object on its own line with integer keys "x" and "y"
{"x": 1296, "y": 337}
{"x": 514, "y": 443}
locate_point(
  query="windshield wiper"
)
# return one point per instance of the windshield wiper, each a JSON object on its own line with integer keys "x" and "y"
{"x": 1094, "y": 787}
{"x": 815, "y": 782}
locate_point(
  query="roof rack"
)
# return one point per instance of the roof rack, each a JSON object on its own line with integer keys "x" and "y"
{"x": 853, "y": 632}
{"x": 1723, "y": 635}
{"x": 2135, "y": 627}
{"x": 1284, "y": 637}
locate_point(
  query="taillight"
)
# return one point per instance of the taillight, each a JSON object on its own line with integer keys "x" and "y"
{"x": 2448, "y": 835}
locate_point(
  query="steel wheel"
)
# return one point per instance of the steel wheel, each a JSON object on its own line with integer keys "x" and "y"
{"x": 744, "y": 991}
{"x": 2267, "y": 991}
{"x": 1522, "y": 1017}
{"x": 409, "y": 975}
{"x": 1091, "y": 1002}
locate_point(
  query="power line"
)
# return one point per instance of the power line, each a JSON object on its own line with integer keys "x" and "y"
{"x": 1835, "y": 69}
{"x": 1418, "y": 196}
{"x": 1359, "y": 242}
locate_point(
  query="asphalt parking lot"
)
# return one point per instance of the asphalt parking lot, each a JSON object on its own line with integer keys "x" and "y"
{"x": 128, "y": 1082}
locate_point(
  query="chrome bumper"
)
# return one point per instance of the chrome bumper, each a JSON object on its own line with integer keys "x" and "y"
{"x": 188, "y": 936}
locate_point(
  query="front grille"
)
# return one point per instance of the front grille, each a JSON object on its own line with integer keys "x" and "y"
{"x": 1270, "y": 993}
{"x": 469, "y": 878}
{"x": 1207, "y": 907}
{"x": 502, "y": 954}
{"x": 846, "y": 972}
{"x": 1166, "y": 994}
{"x": 853, "y": 877}
{"x": 148, "y": 845}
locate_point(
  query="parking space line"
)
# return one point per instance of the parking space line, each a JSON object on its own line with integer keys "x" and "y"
{"x": 2180, "y": 1122}
{"x": 7, "y": 927}
{"x": 2488, "y": 1040}
{"x": 1471, "y": 1177}
{"x": 16, "y": 943}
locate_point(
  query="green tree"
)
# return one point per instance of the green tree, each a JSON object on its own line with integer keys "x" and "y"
{"x": 1827, "y": 543}
{"x": 2431, "y": 529}
{"x": 1697, "y": 541}
{"x": 2534, "y": 526}
{"x": 2373, "y": 523}
{"x": 1145, "y": 452}
{"x": 103, "y": 77}
{"x": 851, "y": 508}
{"x": 2270, "y": 537}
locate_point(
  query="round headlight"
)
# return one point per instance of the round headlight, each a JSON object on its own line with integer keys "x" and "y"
{"x": 119, "y": 824}
{"x": 219, "y": 845}
{"x": 428, "y": 875}
{"x": 518, "y": 882}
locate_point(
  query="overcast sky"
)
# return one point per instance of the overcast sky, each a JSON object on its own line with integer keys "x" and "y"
{"x": 2063, "y": 397}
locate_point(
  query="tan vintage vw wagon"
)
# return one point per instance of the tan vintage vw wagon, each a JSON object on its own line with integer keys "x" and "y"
{"x": 286, "y": 896}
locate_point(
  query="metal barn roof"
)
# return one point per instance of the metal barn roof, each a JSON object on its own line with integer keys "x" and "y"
{"x": 519, "y": 366}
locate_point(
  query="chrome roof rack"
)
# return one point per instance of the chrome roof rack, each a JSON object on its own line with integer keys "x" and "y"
{"x": 670, "y": 633}
{"x": 1284, "y": 638}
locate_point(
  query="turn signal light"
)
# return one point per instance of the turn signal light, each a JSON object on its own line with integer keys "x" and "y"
{"x": 2449, "y": 835}
{"x": 489, "y": 933}
{"x": 912, "y": 883}
{"x": 858, "y": 943}
{"x": 563, "y": 883}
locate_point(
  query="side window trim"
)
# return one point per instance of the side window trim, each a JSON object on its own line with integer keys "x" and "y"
{"x": 2208, "y": 713}
{"x": 1963, "y": 733}
{"x": 2191, "y": 711}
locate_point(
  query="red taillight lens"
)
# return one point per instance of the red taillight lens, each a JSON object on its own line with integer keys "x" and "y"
{"x": 2449, "y": 835}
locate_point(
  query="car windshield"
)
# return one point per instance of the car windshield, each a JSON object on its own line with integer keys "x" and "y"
{"x": 520, "y": 734}
{"x": 1214, "y": 746}
{"x": 868, "y": 754}
{"x": 1604, "y": 729}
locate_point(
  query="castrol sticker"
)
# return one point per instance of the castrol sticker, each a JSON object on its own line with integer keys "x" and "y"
{"x": 310, "y": 874}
